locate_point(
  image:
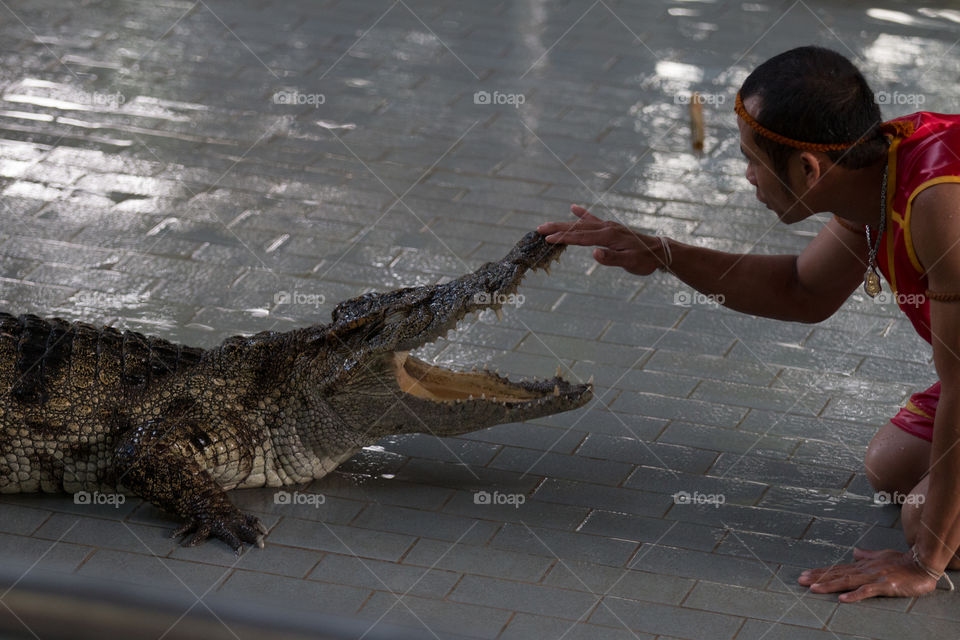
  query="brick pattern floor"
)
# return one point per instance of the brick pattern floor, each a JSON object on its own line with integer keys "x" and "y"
{"x": 201, "y": 169}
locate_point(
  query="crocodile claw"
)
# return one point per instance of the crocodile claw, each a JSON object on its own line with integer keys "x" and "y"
{"x": 234, "y": 529}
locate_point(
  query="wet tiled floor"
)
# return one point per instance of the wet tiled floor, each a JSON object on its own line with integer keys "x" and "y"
{"x": 185, "y": 168}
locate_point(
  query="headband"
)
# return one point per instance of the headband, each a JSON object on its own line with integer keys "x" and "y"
{"x": 896, "y": 128}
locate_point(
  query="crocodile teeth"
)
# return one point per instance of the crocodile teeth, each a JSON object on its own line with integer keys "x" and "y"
{"x": 556, "y": 389}
{"x": 546, "y": 269}
{"x": 499, "y": 314}
{"x": 590, "y": 381}
{"x": 559, "y": 371}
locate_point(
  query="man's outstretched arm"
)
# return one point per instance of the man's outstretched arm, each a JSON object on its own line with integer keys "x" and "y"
{"x": 805, "y": 288}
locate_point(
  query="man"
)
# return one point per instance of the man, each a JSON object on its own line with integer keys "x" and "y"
{"x": 810, "y": 130}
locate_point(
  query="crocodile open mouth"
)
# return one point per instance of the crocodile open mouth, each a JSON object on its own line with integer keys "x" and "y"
{"x": 430, "y": 382}
{"x": 418, "y": 378}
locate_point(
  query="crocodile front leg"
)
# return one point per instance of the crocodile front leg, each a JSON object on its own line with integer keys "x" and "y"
{"x": 152, "y": 463}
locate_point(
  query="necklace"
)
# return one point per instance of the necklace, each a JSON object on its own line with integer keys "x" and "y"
{"x": 871, "y": 279}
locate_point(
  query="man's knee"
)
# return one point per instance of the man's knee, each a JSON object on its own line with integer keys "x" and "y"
{"x": 896, "y": 460}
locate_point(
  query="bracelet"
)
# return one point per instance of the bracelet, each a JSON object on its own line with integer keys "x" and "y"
{"x": 667, "y": 254}
{"x": 941, "y": 296}
{"x": 930, "y": 572}
{"x": 848, "y": 226}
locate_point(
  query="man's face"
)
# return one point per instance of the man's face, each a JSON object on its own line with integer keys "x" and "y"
{"x": 778, "y": 194}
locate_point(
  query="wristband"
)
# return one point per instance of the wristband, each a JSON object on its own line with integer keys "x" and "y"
{"x": 939, "y": 577}
{"x": 667, "y": 254}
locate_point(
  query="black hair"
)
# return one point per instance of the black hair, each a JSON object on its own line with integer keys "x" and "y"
{"x": 815, "y": 94}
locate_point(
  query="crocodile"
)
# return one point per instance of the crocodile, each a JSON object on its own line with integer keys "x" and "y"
{"x": 97, "y": 409}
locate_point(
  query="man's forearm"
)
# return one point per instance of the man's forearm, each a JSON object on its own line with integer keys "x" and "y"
{"x": 759, "y": 285}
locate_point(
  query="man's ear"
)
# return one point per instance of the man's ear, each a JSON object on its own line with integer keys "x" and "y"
{"x": 812, "y": 167}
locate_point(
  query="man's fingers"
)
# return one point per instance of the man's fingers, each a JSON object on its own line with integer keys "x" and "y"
{"x": 549, "y": 228}
{"x": 827, "y": 574}
{"x": 585, "y": 237}
{"x": 871, "y": 590}
{"x": 553, "y": 227}
{"x": 848, "y": 582}
{"x": 810, "y": 576}
{"x": 583, "y": 214}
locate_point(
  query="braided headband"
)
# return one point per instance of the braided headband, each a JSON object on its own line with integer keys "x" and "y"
{"x": 896, "y": 128}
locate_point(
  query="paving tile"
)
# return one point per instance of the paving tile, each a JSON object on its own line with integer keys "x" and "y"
{"x": 699, "y": 565}
{"x": 22, "y": 520}
{"x": 648, "y": 404}
{"x": 757, "y": 629}
{"x": 759, "y": 469}
{"x": 554, "y": 465}
{"x": 707, "y": 366}
{"x": 530, "y": 627}
{"x": 304, "y": 595}
{"x": 754, "y": 603}
{"x": 339, "y": 539}
{"x": 884, "y": 625}
{"x": 666, "y": 620}
{"x": 654, "y": 454}
{"x": 773, "y": 548}
{"x": 537, "y": 599}
{"x": 670, "y": 482}
{"x": 624, "y": 583}
{"x": 21, "y": 554}
{"x": 416, "y": 522}
{"x": 729, "y": 440}
{"x": 477, "y": 560}
{"x": 595, "y": 496}
{"x": 561, "y": 544}
{"x": 429, "y": 582}
{"x": 652, "y": 530}
{"x": 500, "y": 505}
{"x": 279, "y": 560}
{"x": 107, "y": 534}
{"x": 828, "y": 504}
{"x": 433, "y": 617}
{"x": 165, "y": 573}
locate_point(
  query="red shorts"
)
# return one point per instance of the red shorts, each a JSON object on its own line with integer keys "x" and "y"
{"x": 917, "y": 417}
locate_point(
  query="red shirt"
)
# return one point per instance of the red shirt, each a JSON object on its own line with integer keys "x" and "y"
{"x": 929, "y": 155}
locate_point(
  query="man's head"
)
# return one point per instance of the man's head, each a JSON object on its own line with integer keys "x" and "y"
{"x": 813, "y": 95}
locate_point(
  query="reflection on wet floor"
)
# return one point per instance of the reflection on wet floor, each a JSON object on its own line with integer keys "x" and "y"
{"x": 187, "y": 169}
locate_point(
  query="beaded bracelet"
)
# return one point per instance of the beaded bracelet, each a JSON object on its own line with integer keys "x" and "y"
{"x": 942, "y": 296}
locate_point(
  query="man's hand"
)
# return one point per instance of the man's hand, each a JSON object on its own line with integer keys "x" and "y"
{"x": 619, "y": 246}
{"x": 875, "y": 573}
